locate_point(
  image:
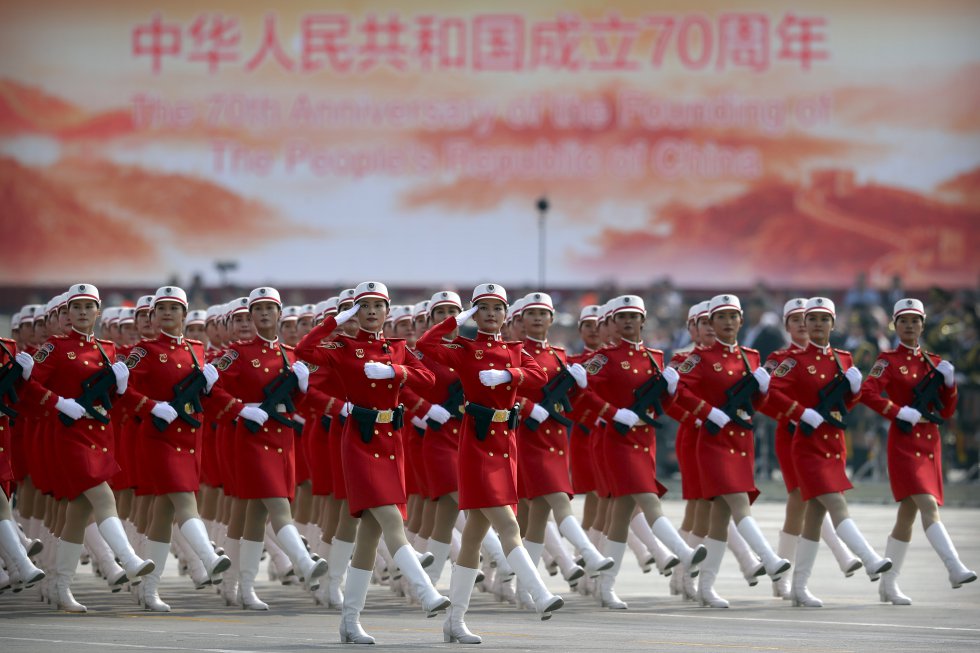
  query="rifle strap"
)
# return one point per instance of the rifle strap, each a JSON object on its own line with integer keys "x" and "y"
{"x": 285, "y": 359}
{"x": 745, "y": 359}
{"x": 105, "y": 356}
{"x": 190, "y": 348}
{"x": 928, "y": 359}
{"x": 652, "y": 361}
{"x": 840, "y": 368}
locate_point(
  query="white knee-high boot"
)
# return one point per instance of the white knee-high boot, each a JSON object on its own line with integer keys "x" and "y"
{"x": 706, "y": 594}
{"x": 250, "y": 554}
{"x": 573, "y": 532}
{"x": 196, "y": 535}
{"x": 67, "y": 556}
{"x": 847, "y": 561}
{"x": 690, "y": 556}
{"x": 115, "y": 536}
{"x": 748, "y": 563}
{"x": 888, "y": 590}
{"x": 460, "y": 590}
{"x": 158, "y": 552}
{"x": 775, "y": 566}
{"x": 337, "y": 565}
{"x": 806, "y": 555}
{"x": 292, "y": 544}
{"x": 408, "y": 562}
{"x": 544, "y": 601}
{"x": 943, "y": 545}
{"x": 662, "y": 557}
{"x": 355, "y": 594}
{"x": 570, "y": 571}
{"x": 440, "y": 553}
{"x": 785, "y": 548}
{"x": 874, "y": 564}
{"x": 606, "y": 591}
{"x": 12, "y": 546}
{"x": 229, "y": 584}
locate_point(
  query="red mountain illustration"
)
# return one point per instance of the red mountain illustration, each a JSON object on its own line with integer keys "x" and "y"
{"x": 27, "y": 109}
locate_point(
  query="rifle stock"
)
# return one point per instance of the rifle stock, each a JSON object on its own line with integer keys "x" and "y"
{"x": 9, "y": 374}
{"x": 187, "y": 392}
{"x": 278, "y": 391}
{"x": 555, "y": 400}
{"x": 95, "y": 396}
{"x": 646, "y": 396}
{"x": 739, "y": 400}
{"x": 925, "y": 396}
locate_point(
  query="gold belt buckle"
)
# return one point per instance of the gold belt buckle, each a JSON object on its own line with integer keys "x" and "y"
{"x": 385, "y": 416}
{"x": 501, "y": 415}
{"x": 742, "y": 414}
{"x": 836, "y": 415}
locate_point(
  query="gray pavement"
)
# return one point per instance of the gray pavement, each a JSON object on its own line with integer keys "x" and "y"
{"x": 852, "y": 619}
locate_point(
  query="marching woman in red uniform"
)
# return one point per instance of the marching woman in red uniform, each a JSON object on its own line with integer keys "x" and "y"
{"x": 264, "y": 466}
{"x": 794, "y": 321}
{"x": 542, "y": 443}
{"x": 84, "y": 447}
{"x": 819, "y": 449}
{"x": 629, "y": 449}
{"x": 914, "y": 450}
{"x": 725, "y": 447}
{"x": 373, "y": 370}
{"x": 169, "y": 446}
{"x": 583, "y": 476}
{"x": 491, "y": 371}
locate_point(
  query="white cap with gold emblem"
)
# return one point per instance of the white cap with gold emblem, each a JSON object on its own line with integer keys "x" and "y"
{"x": 401, "y": 313}
{"x": 196, "y": 317}
{"x": 538, "y": 300}
{"x": 489, "y": 291}
{"x": 421, "y": 309}
{"x": 724, "y": 303}
{"x": 909, "y": 305}
{"x": 15, "y": 320}
{"x": 239, "y": 305}
{"x": 821, "y": 305}
{"x": 371, "y": 290}
{"x": 110, "y": 315}
{"x": 628, "y": 304}
{"x": 127, "y": 315}
{"x": 589, "y": 312}
{"x": 169, "y": 294}
{"x": 215, "y": 311}
{"x": 331, "y": 306}
{"x": 289, "y": 313}
{"x": 793, "y": 306}
{"x": 83, "y": 291}
{"x": 516, "y": 309}
{"x": 704, "y": 309}
{"x": 444, "y": 298}
{"x": 264, "y": 294}
{"x": 307, "y": 310}
{"x": 144, "y": 303}
{"x": 692, "y": 313}
{"x": 321, "y": 308}
{"x": 346, "y": 296}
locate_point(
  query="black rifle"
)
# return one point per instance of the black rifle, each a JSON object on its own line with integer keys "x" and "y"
{"x": 187, "y": 394}
{"x": 278, "y": 391}
{"x": 831, "y": 399}
{"x": 739, "y": 399}
{"x": 95, "y": 397}
{"x": 555, "y": 399}
{"x": 453, "y": 404}
{"x": 10, "y": 373}
{"x": 925, "y": 395}
{"x": 647, "y": 396}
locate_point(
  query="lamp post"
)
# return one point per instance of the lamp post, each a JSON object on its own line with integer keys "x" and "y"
{"x": 542, "y": 205}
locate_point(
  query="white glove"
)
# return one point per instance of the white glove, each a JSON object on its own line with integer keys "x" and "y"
{"x": 299, "y": 418}
{"x": 419, "y": 423}
{"x": 718, "y": 417}
{"x": 348, "y": 314}
{"x": 210, "y": 373}
{"x": 539, "y": 414}
{"x": 302, "y": 373}
{"x": 909, "y": 414}
{"x": 26, "y": 361}
{"x": 627, "y": 417}
{"x": 164, "y": 411}
{"x": 762, "y": 376}
{"x": 70, "y": 407}
{"x": 254, "y": 414}
{"x": 379, "y": 371}
{"x": 853, "y": 376}
{"x": 672, "y": 377}
{"x": 465, "y": 316}
{"x": 122, "y": 376}
{"x": 812, "y": 417}
{"x": 945, "y": 368}
{"x": 438, "y": 413}
{"x": 494, "y": 377}
{"x": 345, "y": 409}
{"x": 579, "y": 374}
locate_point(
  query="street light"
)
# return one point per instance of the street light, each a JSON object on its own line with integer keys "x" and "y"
{"x": 542, "y": 205}
{"x": 224, "y": 267}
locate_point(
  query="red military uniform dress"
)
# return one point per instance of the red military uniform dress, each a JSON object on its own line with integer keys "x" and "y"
{"x": 416, "y": 481}
{"x": 210, "y": 463}
{"x": 169, "y": 460}
{"x": 819, "y": 459}
{"x": 488, "y": 467}
{"x": 124, "y": 429}
{"x": 7, "y": 353}
{"x": 580, "y": 438}
{"x": 264, "y": 463}
{"x": 726, "y": 460}
{"x": 914, "y": 458}
{"x": 784, "y": 439}
{"x": 542, "y": 455}
{"x": 84, "y": 451}
{"x": 23, "y": 442}
{"x": 374, "y": 471}
{"x": 318, "y": 405}
{"x": 630, "y": 459}
{"x": 686, "y": 441}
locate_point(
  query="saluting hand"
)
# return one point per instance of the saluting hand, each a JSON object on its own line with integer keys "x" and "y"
{"x": 210, "y": 373}
{"x": 374, "y": 370}
{"x": 26, "y": 361}
{"x": 465, "y": 316}
{"x": 579, "y": 374}
{"x": 302, "y": 373}
{"x": 348, "y": 314}
{"x": 164, "y": 411}
{"x": 122, "y": 376}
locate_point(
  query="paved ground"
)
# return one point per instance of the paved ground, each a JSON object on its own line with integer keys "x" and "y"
{"x": 941, "y": 619}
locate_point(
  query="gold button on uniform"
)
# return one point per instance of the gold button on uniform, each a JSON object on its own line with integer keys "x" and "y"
{"x": 491, "y": 454}
{"x": 391, "y": 457}
{"x": 376, "y": 456}
{"x": 279, "y": 450}
{"x": 506, "y": 455}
